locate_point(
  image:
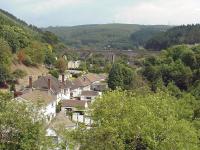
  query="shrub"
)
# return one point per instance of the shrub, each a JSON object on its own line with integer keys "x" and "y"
{"x": 18, "y": 74}
{"x": 27, "y": 61}
{"x": 54, "y": 73}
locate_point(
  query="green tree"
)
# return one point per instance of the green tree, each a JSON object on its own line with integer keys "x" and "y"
{"x": 20, "y": 126}
{"x": 115, "y": 78}
{"x": 134, "y": 120}
{"x": 5, "y": 61}
{"x": 5, "y": 52}
{"x": 4, "y": 73}
{"x": 50, "y": 58}
{"x": 54, "y": 73}
{"x": 120, "y": 76}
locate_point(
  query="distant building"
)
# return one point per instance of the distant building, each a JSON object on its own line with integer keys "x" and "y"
{"x": 77, "y": 108}
{"x": 89, "y": 95}
{"x": 74, "y": 64}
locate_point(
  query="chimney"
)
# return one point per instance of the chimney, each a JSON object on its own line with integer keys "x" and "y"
{"x": 30, "y": 82}
{"x": 63, "y": 78}
{"x": 49, "y": 83}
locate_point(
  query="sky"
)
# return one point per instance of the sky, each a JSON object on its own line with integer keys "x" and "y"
{"x": 43, "y": 13}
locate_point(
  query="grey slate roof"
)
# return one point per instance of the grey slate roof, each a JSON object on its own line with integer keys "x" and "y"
{"x": 89, "y": 93}
{"x": 42, "y": 83}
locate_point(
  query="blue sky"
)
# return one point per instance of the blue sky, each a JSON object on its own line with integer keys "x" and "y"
{"x": 77, "y": 12}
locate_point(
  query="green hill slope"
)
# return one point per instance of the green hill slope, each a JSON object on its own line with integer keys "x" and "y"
{"x": 101, "y": 36}
{"x": 24, "y": 44}
{"x": 186, "y": 34}
{"x": 19, "y": 34}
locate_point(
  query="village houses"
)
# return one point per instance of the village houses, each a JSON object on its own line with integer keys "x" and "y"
{"x": 51, "y": 92}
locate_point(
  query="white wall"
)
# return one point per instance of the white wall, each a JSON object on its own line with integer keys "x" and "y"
{"x": 74, "y": 64}
{"x": 66, "y": 95}
{"x": 86, "y": 88}
{"x": 49, "y": 111}
{"x": 81, "y": 118}
{"x": 76, "y": 92}
{"x": 86, "y": 98}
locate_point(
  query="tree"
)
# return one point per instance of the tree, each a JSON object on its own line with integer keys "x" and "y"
{"x": 20, "y": 126}
{"x": 54, "y": 73}
{"x": 5, "y": 52}
{"x": 61, "y": 65}
{"x": 134, "y": 120}
{"x": 120, "y": 76}
{"x": 5, "y": 61}
{"x": 115, "y": 78}
{"x": 83, "y": 66}
{"x": 177, "y": 64}
{"x": 4, "y": 73}
{"x": 36, "y": 51}
{"x": 50, "y": 58}
{"x": 50, "y": 37}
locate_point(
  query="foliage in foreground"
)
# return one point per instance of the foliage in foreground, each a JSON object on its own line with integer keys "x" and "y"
{"x": 133, "y": 120}
{"x": 20, "y": 126}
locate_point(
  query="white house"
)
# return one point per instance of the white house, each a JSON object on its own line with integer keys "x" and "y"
{"x": 45, "y": 98}
{"x": 74, "y": 64}
{"x": 89, "y": 95}
{"x": 78, "y": 110}
{"x": 54, "y": 85}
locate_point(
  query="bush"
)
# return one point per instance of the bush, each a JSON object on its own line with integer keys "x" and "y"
{"x": 27, "y": 61}
{"x": 54, "y": 73}
{"x": 19, "y": 74}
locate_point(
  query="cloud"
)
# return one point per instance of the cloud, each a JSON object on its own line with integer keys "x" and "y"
{"x": 41, "y": 6}
{"x": 47, "y": 6}
{"x": 160, "y": 12}
{"x": 74, "y": 12}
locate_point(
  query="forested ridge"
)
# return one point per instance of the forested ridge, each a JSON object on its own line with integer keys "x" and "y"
{"x": 107, "y": 36}
{"x": 185, "y": 34}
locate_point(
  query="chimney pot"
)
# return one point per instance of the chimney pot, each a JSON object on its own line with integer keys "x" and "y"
{"x": 30, "y": 82}
{"x": 49, "y": 83}
{"x": 63, "y": 78}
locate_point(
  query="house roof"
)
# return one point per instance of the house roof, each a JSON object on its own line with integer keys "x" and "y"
{"x": 74, "y": 103}
{"x": 103, "y": 76}
{"x": 84, "y": 80}
{"x": 37, "y": 96}
{"x": 79, "y": 82}
{"x": 61, "y": 120}
{"x": 89, "y": 93}
{"x": 42, "y": 83}
{"x": 72, "y": 85}
{"x": 95, "y": 77}
{"x": 92, "y": 77}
